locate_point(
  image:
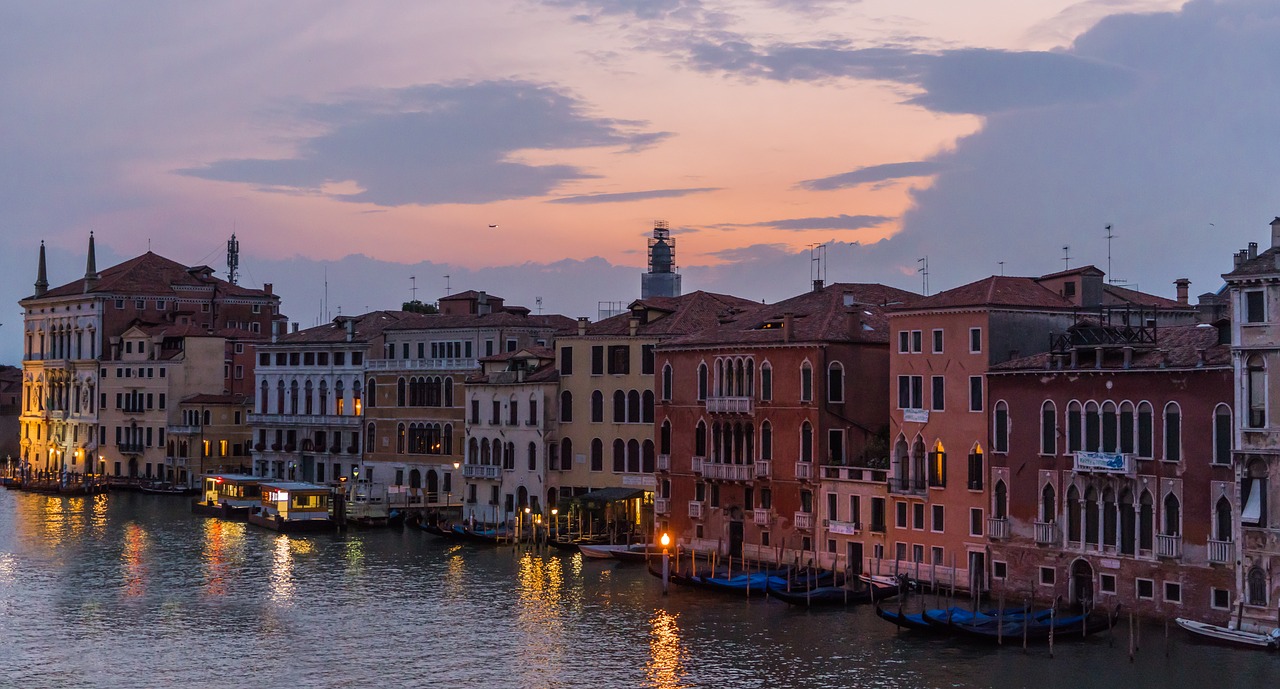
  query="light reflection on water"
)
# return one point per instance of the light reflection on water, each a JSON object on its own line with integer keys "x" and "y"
{"x": 132, "y": 590}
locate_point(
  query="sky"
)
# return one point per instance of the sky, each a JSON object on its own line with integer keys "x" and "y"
{"x": 362, "y": 152}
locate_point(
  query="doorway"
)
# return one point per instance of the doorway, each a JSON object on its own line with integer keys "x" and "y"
{"x": 735, "y": 538}
{"x": 1082, "y": 583}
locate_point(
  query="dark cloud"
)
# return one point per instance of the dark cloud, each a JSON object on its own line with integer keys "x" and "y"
{"x": 622, "y": 197}
{"x": 873, "y": 174}
{"x": 639, "y": 9}
{"x": 838, "y": 222}
{"x": 971, "y": 80}
{"x": 438, "y": 144}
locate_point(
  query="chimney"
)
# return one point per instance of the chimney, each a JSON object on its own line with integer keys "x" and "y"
{"x": 817, "y": 285}
{"x": 266, "y": 287}
{"x": 293, "y": 327}
{"x": 582, "y": 325}
{"x": 788, "y": 319}
{"x": 1275, "y": 233}
{"x": 855, "y": 323}
{"x": 351, "y": 329}
{"x": 91, "y": 267}
{"x": 633, "y": 324}
{"x": 1183, "y": 285}
{"x": 1237, "y": 258}
{"x": 1253, "y": 250}
{"x": 42, "y": 278}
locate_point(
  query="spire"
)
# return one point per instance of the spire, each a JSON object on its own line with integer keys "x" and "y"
{"x": 91, "y": 267}
{"x": 42, "y": 279}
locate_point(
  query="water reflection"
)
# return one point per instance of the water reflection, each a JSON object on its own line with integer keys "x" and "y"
{"x": 281, "y": 580}
{"x": 665, "y": 669}
{"x": 540, "y": 622}
{"x": 133, "y": 560}
{"x": 223, "y": 542}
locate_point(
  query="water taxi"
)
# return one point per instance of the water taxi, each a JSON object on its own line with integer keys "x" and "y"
{"x": 291, "y": 506}
{"x": 230, "y": 496}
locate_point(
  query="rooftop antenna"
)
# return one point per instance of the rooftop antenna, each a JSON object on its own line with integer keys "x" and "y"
{"x": 1066, "y": 257}
{"x": 818, "y": 265}
{"x": 924, "y": 272}
{"x": 1001, "y": 268}
{"x": 233, "y": 259}
{"x": 446, "y": 286}
{"x": 538, "y": 300}
{"x": 413, "y": 288}
{"x": 326, "y": 295}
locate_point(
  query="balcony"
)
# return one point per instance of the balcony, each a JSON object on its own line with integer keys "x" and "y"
{"x": 696, "y": 509}
{"x": 420, "y": 364}
{"x": 836, "y": 526}
{"x": 662, "y": 505}
{"x": 899, "y": 484}
{"x": 184, "y": 430}
{"x": 727, "y": 472}
{"x": 1168, "y": 546}
{"x": 764, "y": 468}
{"x": 664, "y": 462}
{"x": 331, "y": 420}
{"x": 1221, "y": 551}
{"x": 997, "y": 527}
{"x": 762, "y": 517}
{"x": 804, "y": 471}
{"x": 847, "y": 473}
{"x": 696, "y": 464}
{"x": 481, "y": 471}
{"x": 729, "y": 405}
{"x": 803, "y": 521}
{"x": 131, "y": 448}
{"x": 1047, "y": 533}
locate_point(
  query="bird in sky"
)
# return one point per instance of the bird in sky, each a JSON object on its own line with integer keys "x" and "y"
{"x": 492, "y": 226}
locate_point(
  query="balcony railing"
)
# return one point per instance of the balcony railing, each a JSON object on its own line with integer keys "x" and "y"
{"x": 1221, "y": 551}
{"x": 899, "y": 484}
{"x": 131, "y": 448}
{"x": 662, "y": 505}
{"x": 803, "y": 520}
{"x": 696, "y": 509}
{"x": 836, "y": 526}
{"x": 804, "y": 471}
{"x": 664, "y": 462}
{"x": 764, "y": 468}
{"x": 420, "y": 364}
{"x": 481, "y": 471}
{"x": 1168, "y": 546}
{"x": 729, "y": 405}
{"x": 845, "y": 473}
{"x": 727, "y": 472}
{"x": 762, "y": 517}
{"x": 696, "y": 464}
{"x": 344, "y": 421}
{"x": 997, "y": 527}
{"x": 1047, "y": 533}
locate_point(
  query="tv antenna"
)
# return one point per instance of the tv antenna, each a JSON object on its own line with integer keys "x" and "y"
{"x": 538, "y": 301}
{"x": 413, "y": 287}
{"x": 446, "y": 286}
{"x": 1066, "y": 257}
{"x": 924, "y": 273}
{"x": 818, "y": 264}
{"x": 1001, "y": 263}
{"x": 233, "y": 258}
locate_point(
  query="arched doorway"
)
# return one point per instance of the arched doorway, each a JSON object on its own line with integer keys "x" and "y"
{"x": 1082, "y": 583}
{"x": 522, "y": 498}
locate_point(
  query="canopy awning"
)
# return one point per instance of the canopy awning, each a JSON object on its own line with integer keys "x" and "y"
{"x": 600, "y": 497}
{"x": 1252, "y": 514}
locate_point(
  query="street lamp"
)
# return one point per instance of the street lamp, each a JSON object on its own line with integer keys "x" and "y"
{"x": 555, "y": 523}
{"x": 292, "y": 466}
{"x": 666, "y": 562}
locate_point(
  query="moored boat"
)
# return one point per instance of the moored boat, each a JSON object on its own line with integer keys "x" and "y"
{"x": 291, "y": 506}
{"x": 229, "y": 496}
{"x": 1270, "y": 640}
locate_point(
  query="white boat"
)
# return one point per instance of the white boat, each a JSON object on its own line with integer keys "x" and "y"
{"x": 1235, "y": 636}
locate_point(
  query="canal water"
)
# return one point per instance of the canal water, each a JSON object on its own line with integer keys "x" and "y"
{"x": 132, "y": 590}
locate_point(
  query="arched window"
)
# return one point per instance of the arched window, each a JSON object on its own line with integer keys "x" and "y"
{"x": 619, "y": 406}
{"x": 646, "y": 407}
{"x": 919, "y": 472}
{"x": 1092, "y": 427}
{"x": 1048, "y": 504}
{"x": 1073, "y": 514}
{"x": 1172, "y": 515}
{"x": 400, "y": 392}
{"x": 1222, "y": 520}
{"x": 1222, "y": 433}
{"x": 977, "y": 468}
{"x": 1110, "y": 438}
{"x": 633, "y": 456}
{"x": 766, "y": 382}
{"x": 566, "y": 452}
{"x": 1091, "y": 516}
{"x": 448, "y": 439}
{"x": 1172, "y": 432}
{"x": 307, "y": 396}
{"x": 1128, "y": 525}
{"x": 700, "y": 439}
{"x": 938, "y": 465}
{"x": 566, "y": 407}
{"x": 1126, "y": 428}
{"x": 664, "y": 438}
{"x": 369, "y": 437}
{"x": 208, "y": 417}
{"x": 448, "y": 391}
{"x": 1257, "y": 586}
{"x": 619, "y": 456}
{"x": 766, "y": 441}
{"x": 597, "y": 454}
{"x": 370, "y": 393}
{"x": 400, "y": 439}
{"x": 533, "y": 456}
{"x": 835, "y": 382}
{"x": 597, "y": 406}
{"x": 667, "y": 379}
{"x": 1146, "y": 440}
{"x": 1000, "y": 431}
{"x": 280, "y": 397}
{"x": 1000, "y": 509}
{"x": 806, "y": 442}
{"x": 633, "y": 407}
{"x": 1146, "y": 521}
{"x": 1253, "y": 494}
{"x": 1074, "y": 443}
{"x": 324, "y": 397}
{"x": 806, "y": 382}
{"x": 646, "y": 456}
{"x": 702, "y": 381}
{"x": 1109, "y": 517}
{"x": 339, "y": 401}
{"x": 1256, "y": 392}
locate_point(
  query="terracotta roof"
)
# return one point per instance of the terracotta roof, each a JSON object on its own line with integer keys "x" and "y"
{"x": 193, "y": 330}
{"x": 367, "y": 327}
{"x": 207, "y": 398}
{"x": 997, "y": 290}
{"x": 523, "y": 352}
{"x": 438, "y": 321}
{"x": 468, "y": 294}
{"x": 1082, "y": 270}
{"x": 686, "y": 314}
{"x": 152, "y": 275}
{"x": 819, "y": 316}
{"x": 1119, "y": 296}
{"x": 1177, "y": 346}
{"x": 1267, "y": 263}
{"x": 547, "y": 373}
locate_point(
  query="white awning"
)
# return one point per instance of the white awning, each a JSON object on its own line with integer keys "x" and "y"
{"x": 1252, "y": 513}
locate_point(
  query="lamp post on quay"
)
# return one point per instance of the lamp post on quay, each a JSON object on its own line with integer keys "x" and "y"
{"x": 666, "y": 562}
{"x": 553, "y": 531}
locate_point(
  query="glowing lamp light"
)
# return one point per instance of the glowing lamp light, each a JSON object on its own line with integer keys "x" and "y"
{"x": 554, "y": 511}
{"x": 665, "y": 540}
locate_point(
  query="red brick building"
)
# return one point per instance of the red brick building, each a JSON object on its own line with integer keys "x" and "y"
{"x": 1112, "y": 480}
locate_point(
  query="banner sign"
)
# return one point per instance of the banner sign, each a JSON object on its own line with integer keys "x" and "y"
{"x": 1104, "y": 462}
{"x": 915, "y": 415}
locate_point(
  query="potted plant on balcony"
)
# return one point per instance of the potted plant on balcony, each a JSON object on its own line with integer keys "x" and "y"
{"x": 275, "y": 447}
{"x": 290, "y": 448}
{"x": 260, "y": 446}
{"x": 352, "y": 449}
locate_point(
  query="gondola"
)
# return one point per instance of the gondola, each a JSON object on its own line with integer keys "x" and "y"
{"x": 834, "y": 595}
{"x": 1038, "y": 627}
{"x": 435, "y": 530}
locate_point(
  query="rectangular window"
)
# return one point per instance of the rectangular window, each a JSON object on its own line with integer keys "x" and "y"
{"x": 1255, "y": 307}
{"x": 1222, "y": 438}
{"x": 597, "y": 360}
{"x": 975, "y": 521}
{"x": 917, "y": 341}
{"x": 975, "y": 471}
{"x": 620, "y": 359}
{"x": 901, "y": 520}
{"x": 975, "y": 393}
{"x": 904, "y": 342}
{"x": 975, "y": 340}
{"x": 1048, "y": 431}
{"x": 936, "y": 523}
{"x": 1107, "y": 583}
{"x": 1145, "y": 442}
{"x": 900, "y": 550}
{"x": 855, "y": 509}
{"x": 937, "y": 398}
{"x": 938, "y": 556}
{"x": 877, "y": 515}
{"x": 937, "y": 341}
{"x": 1172, "y": 592}
{"x": 497, "y": 412}
{"x": 1047, "y": 576}
{"x": 917, "y": 553}
{"x": 475, "y": 411}
{"x": 566, "y": 361}
{"x": 1220, "y": 599}
{"x": 646, "y": 359}
{"x": 917, "y": 516}
{"x": 1146, "y": 589}
{"x": 937, "y": 469}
